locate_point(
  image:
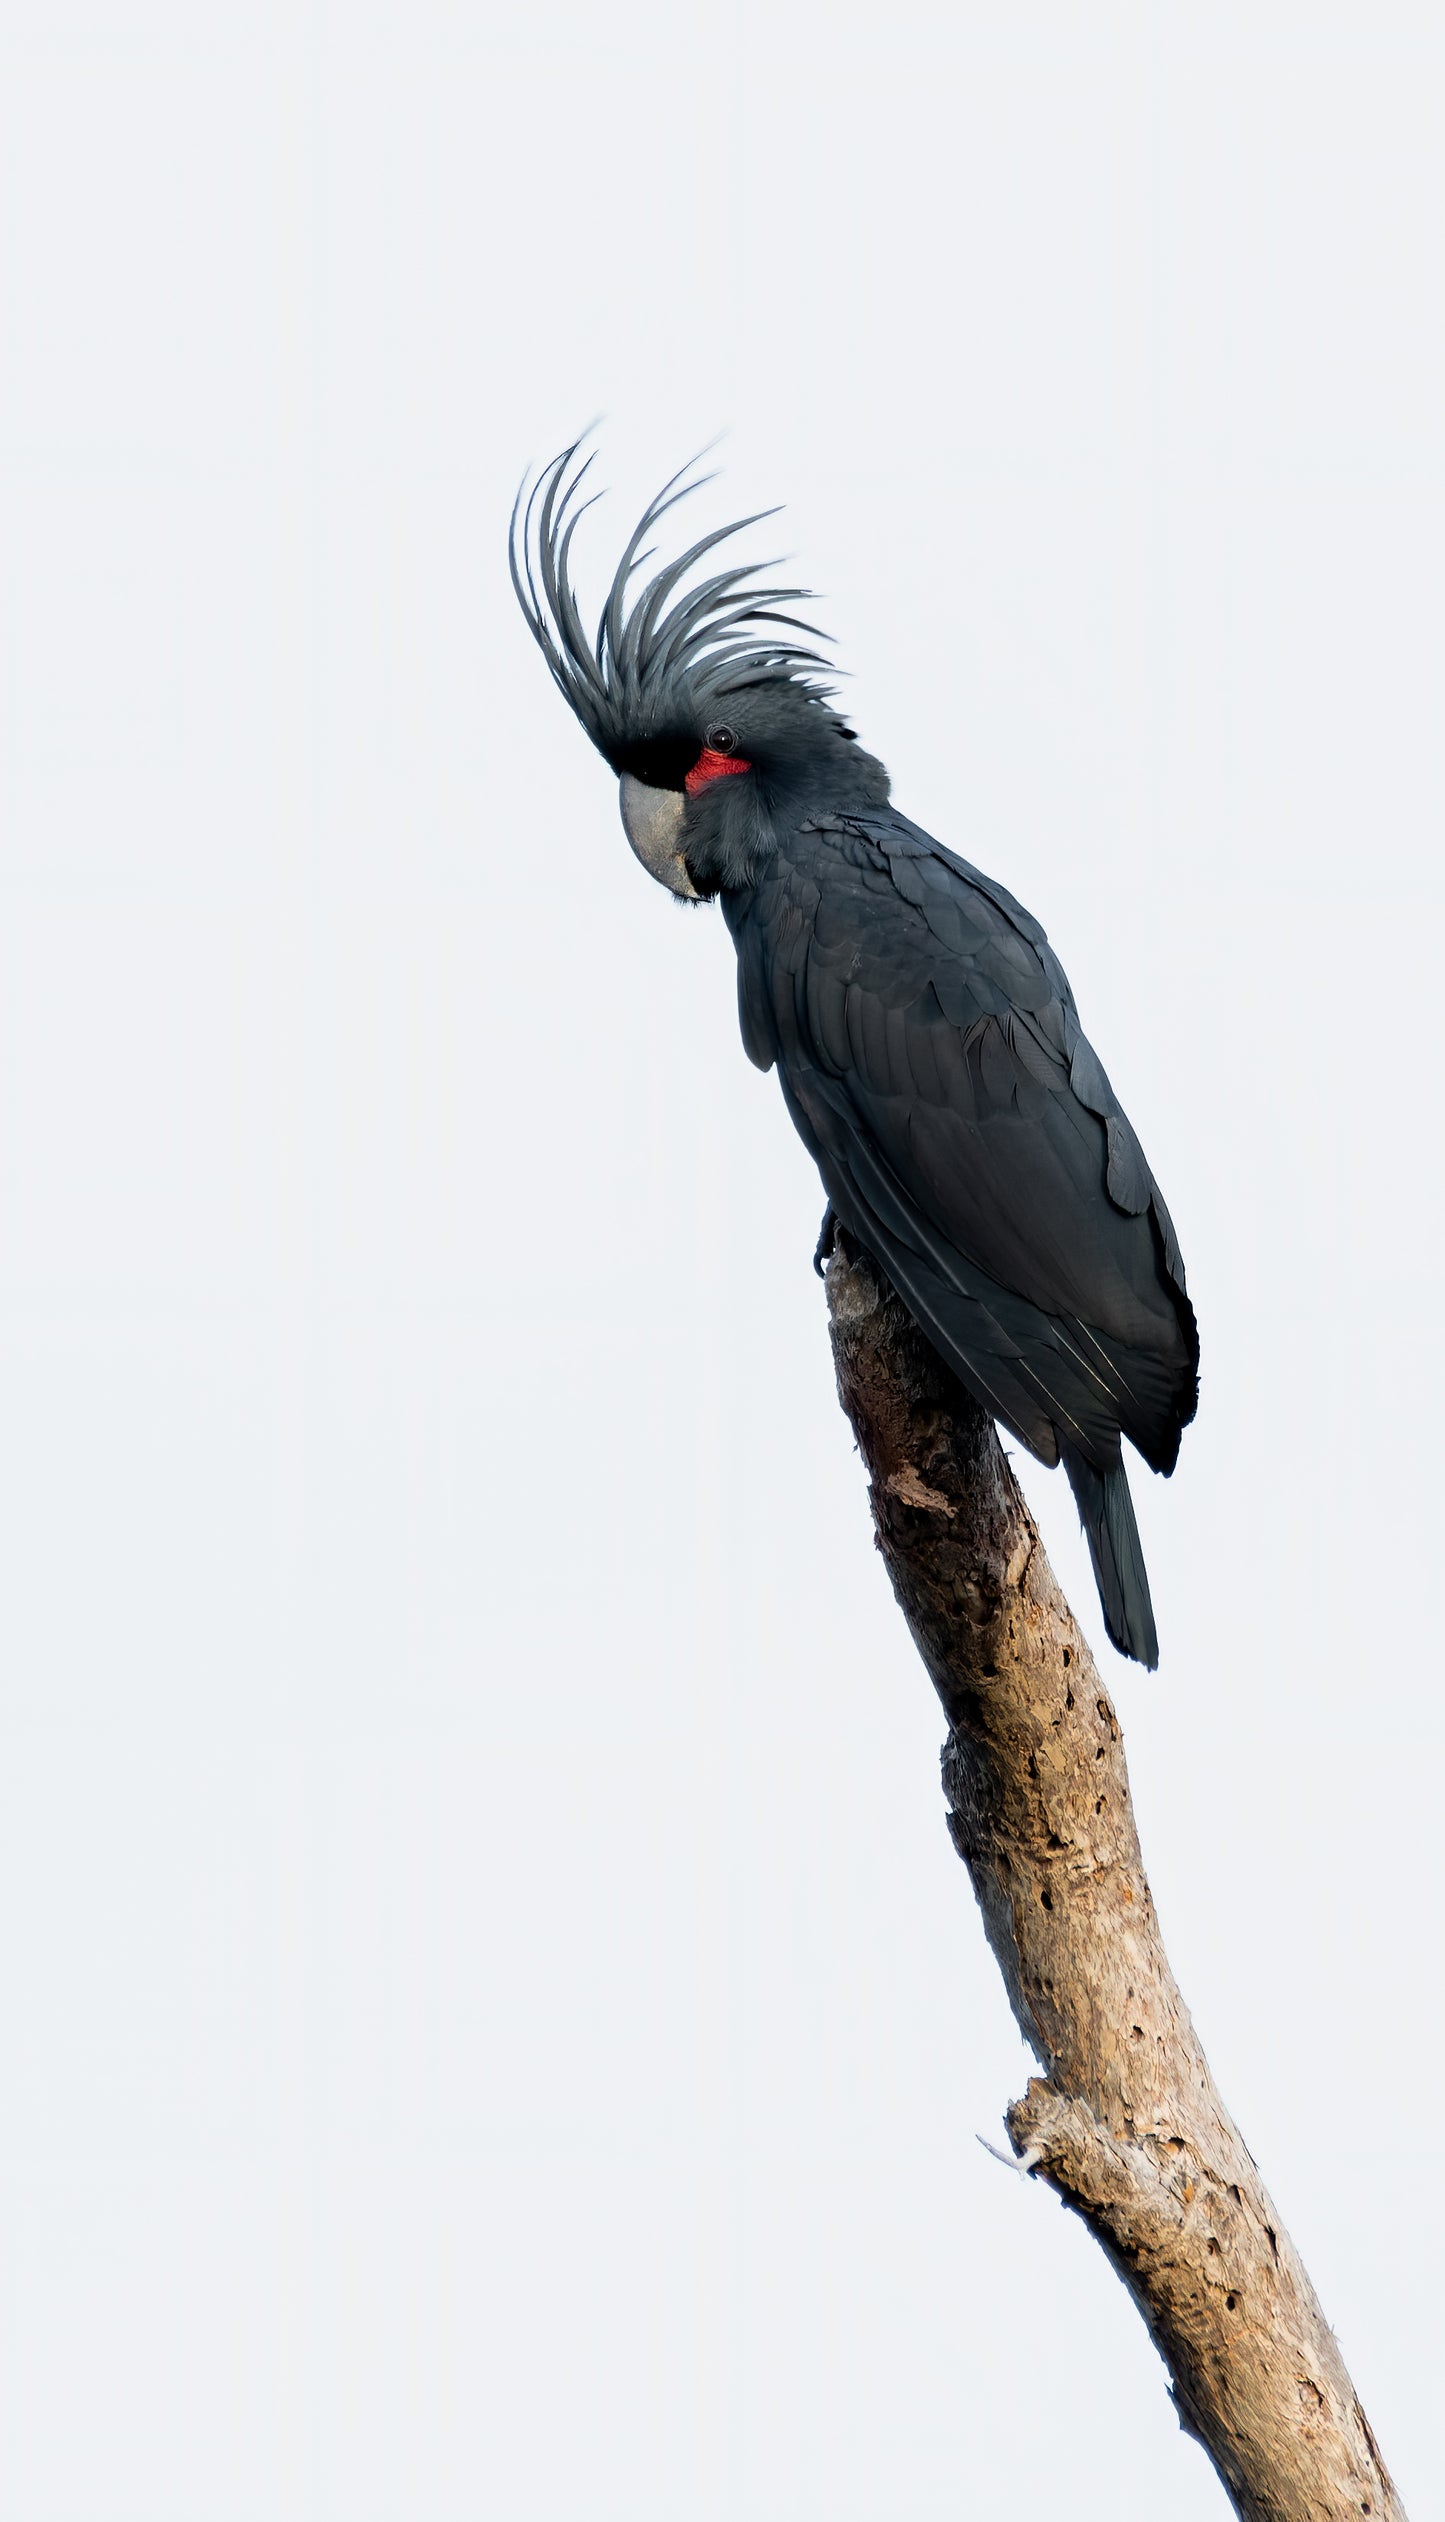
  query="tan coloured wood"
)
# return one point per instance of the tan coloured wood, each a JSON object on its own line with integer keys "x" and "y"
{"x": 1125, "y": 2121}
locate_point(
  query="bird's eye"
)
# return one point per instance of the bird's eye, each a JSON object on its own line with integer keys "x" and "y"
{"x": 720, "y": 739}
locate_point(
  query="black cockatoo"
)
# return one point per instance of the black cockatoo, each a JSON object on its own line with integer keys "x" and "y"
{"x": 923, "y": 1032}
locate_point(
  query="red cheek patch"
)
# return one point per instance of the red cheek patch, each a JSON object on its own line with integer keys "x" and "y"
{"x": 710, "y": 766}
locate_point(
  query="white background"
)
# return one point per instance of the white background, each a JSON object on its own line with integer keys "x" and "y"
{"x": 492, "y": 2024}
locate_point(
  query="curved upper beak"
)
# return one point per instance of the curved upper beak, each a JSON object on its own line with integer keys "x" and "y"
{"x": 652, "y": 820}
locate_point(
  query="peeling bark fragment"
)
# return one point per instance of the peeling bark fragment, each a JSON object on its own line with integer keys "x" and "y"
{"x": 1125, "y": 2122}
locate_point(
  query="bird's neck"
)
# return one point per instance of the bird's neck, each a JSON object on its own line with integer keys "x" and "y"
{"x": 733, "y": 826}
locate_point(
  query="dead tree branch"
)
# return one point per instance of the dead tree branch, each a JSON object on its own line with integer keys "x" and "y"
{"x": 1125, "y": 2121}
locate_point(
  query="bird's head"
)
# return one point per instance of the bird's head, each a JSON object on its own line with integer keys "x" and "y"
{"x": 696, "y": 691}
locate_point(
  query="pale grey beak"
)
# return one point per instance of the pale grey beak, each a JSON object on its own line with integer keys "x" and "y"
{"x": 652, "y": 820}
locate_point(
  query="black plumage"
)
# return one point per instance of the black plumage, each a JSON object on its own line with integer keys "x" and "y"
{"x": 925, "y": 1036}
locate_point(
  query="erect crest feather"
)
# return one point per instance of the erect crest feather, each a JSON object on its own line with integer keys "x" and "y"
{"x": 673, "y": 649}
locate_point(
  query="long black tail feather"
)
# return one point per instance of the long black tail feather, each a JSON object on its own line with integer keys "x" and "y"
{"x": 1106, "y": 1511}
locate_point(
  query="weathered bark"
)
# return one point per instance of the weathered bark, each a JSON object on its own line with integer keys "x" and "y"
{"x": 1125, "y": 2121}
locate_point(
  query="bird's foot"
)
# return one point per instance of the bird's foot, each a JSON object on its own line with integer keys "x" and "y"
{"x": 823, "y": 1251}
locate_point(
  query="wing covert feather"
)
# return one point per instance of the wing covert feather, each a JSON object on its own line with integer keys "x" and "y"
{"x": 931, "y": 1053}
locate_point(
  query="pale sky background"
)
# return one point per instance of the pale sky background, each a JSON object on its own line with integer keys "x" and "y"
{"x": 492, "y": 2023}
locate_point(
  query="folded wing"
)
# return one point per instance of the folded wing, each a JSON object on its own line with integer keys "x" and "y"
{"x": 931, "y": 1055}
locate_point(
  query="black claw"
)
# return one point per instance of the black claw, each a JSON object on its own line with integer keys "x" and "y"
{"x": 823, "y": 1251}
